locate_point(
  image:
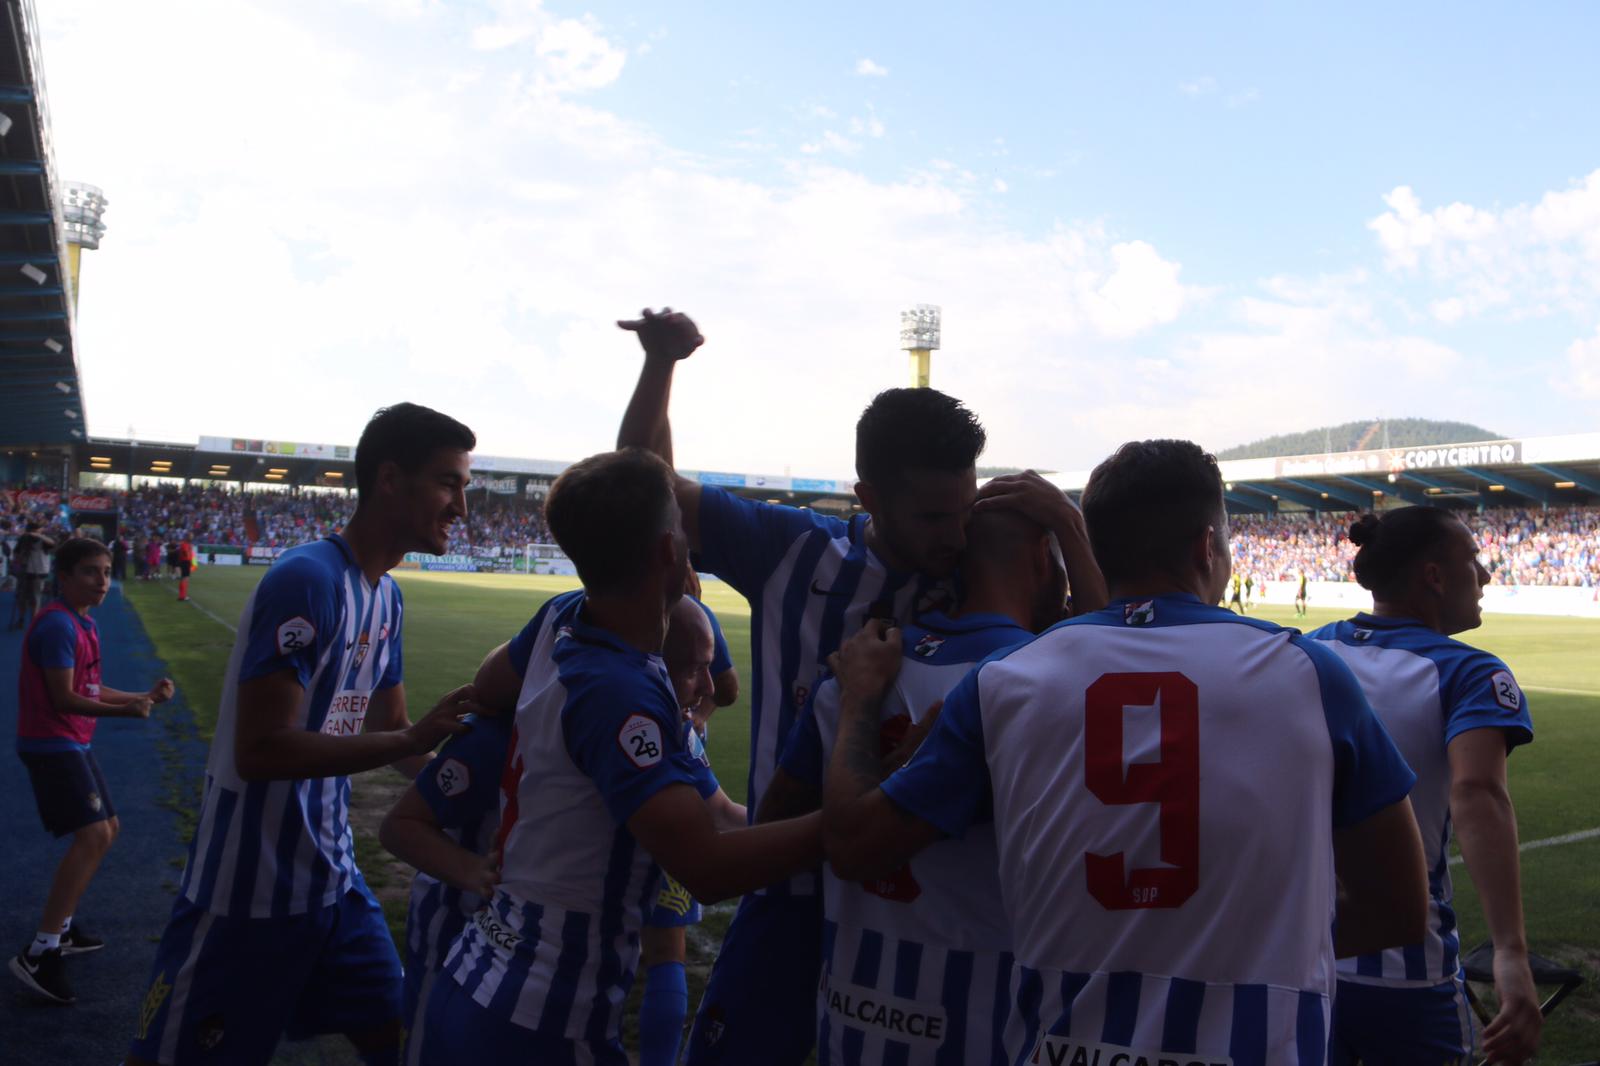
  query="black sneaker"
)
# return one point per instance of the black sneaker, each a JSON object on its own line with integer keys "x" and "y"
{"x": 44, "y": 974}
{"x": 78, "y": 941}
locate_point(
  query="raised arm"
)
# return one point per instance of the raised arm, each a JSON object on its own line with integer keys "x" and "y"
{"x": 666, "y": 337}
{"x": 1383, "y": 882}
{"x": 1486, "y": 827}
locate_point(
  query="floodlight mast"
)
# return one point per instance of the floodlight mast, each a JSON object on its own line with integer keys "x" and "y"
{"x": 83, "y": 209}
{"x": 919, "y": 337}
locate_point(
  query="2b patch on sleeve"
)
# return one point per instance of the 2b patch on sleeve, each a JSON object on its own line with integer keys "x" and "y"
{"x": 640, "y": 739}
{"x": 453, "y": 778}
{"x": 1506, "y": 693}
{"x": 295, "y": 635}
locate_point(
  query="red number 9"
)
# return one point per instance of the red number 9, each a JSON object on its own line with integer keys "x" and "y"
{"x": 1173, "y": 781}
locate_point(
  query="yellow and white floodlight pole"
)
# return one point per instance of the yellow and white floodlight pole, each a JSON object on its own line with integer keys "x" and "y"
{"x": 83, "y": 208}
{"x": 919, "y": 336}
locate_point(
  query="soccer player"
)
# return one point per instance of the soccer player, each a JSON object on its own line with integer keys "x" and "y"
{"x": 600, "y": 792}
{"x": 1300, "y": 596}
{"x": 445, "y": 826}
{"x": 917, "y": 964}
{"x": 1173, "y": 790}
{"x": 1456, "y": 713}
{"x": 812, "y": 580}
{"x": 60, "y": 700}
{"x": 274, "y": 929}
{"x": 698, "y": 664}
{"x": 1235, "y": 600}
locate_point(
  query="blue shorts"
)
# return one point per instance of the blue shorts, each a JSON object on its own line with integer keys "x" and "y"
{"x": 1400, "y": 1026}
{"x": 460, "y": 1032}
{"x": 68, "y": 788}
{"x": 674, "y": 907}
{"x": 227, "y": 989}
{"x": 760, "y": 1005}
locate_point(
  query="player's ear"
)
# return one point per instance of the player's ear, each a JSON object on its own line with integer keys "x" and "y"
{"x": 868, "y": 494}
{"x": 389, "y": 475}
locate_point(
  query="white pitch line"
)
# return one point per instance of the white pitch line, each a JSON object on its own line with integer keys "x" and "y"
{"x": 1563, "y": 691}
{"x": 226, "y": 625}
{"x": 1547, "y": 842}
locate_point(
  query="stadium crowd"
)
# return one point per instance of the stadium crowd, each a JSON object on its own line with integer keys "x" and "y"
{"x": 1560, "y": 546}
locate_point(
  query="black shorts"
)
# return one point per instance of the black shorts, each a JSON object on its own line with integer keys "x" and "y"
{"x": 69, "y": 789}
{"x": 184, "y": 568}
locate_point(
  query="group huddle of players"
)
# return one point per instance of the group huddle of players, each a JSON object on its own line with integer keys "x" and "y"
{"x": 1020, "y": 792}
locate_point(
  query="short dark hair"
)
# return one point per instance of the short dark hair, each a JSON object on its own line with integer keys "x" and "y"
{"x": 1146, "y": 503}
{"x": 607, "y": 511}
{"x": 1390, "y": 545}
{"x": 406, "y": 434}
{"x": 915, "y": 429}
{"x": 74, "y": 550}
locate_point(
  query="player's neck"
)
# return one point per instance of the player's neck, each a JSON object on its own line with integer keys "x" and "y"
{"x": 1416, "y": 612}
{"x": 997, "y": 597}
{"x": 376, "y": 548}
{"x": 638, "y": 619}
{"x": 1162, "y": 585}
{"x": 880, "y": 547}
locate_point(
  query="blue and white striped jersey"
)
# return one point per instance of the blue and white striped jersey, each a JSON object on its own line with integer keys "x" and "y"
{"x": 269, "y": 849}
{"x": 1428, "y": 689}
{"x": 598, "y": 732}
{"x": 812, "y": 582}
{"x": 1165, "y": 778}
{"x": 462, "y": 789}
{"x": 917, "y": 966}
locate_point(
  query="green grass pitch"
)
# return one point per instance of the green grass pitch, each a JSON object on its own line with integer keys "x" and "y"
{"x": 453, "y": 620}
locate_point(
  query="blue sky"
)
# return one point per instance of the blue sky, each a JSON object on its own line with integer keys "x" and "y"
{"x": 1216, "y": 221}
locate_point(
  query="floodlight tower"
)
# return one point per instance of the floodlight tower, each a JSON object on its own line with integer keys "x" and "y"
{"x": 919, "y": 336}
{"x": 82, "y": 208}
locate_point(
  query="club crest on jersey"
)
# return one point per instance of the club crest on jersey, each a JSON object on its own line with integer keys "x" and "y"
{"x": 697, "y": 747}
{"x": 1506, "y": 693}
{"x": 363, "y": 645}
{"x": 453, "y": 778}
{"x": 295, "y": 634}
{"x": 1139, "y": 614}
{"x": 1362, "y": 635}
{"x": 563, "y": 632}
{"x": 928, "y": 645}
{"x": 802, "y": 692}
{"x": 640, "y": 740}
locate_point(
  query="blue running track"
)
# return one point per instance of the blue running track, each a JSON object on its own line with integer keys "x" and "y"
{"x": 128, "y": 901}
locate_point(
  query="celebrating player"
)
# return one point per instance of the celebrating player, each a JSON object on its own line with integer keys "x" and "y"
{"x": 917, "y": 964}
{"x": 601, "y": 786}
{"x": 60, "y": 700}
{"x": 1455, "y": 712}
{"x": 812, "y": 581}
{"x": 445, "y": 826}
{"x": 274, "y": 928}
{"x": 1173, "y": 789}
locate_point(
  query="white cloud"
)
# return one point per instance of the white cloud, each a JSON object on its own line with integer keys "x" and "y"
{"x": 1201, "y": 86}
{"x": 471, "y": 248}
{"x": 1583, "y": 368}
{"x": 1527, "y": 260}
{"x": 868, "y": 69}
{"x": 1000, "y": 185}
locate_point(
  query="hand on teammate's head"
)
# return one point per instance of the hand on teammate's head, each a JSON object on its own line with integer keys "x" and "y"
{"x": 668, "y": 334}
{"x": 446, "y": 718}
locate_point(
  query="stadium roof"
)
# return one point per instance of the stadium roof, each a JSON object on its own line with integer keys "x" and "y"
{"x": 41, "y": 401}
{"x": 1538, "y": 471}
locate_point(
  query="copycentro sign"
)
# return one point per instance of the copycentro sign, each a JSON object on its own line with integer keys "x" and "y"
{"x": 1399, "y": 460}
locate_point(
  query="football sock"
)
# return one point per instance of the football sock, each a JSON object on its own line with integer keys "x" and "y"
{"x": 66, "y": 926}
{"x": 661, "y": 1014}
{"x": 183, "y": 589}
{"x": 43, "y": 942}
